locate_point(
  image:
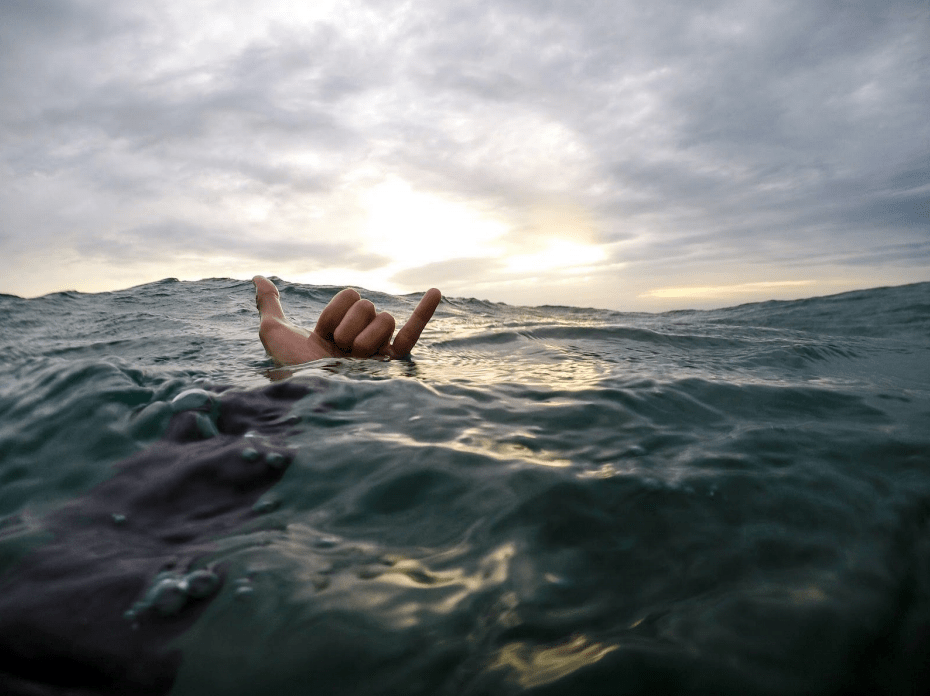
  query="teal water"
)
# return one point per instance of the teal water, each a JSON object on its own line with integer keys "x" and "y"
{"x": 542, "y": 500}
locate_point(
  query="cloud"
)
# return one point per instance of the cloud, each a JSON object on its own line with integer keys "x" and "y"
{"x": 736, "y": 136}
{"x": 723, "y": 291}
{"x": 458, "y": 271}
{"x": 167, "y": 240}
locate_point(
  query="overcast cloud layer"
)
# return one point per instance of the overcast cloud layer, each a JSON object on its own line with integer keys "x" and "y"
{"x": 616, "y": 154}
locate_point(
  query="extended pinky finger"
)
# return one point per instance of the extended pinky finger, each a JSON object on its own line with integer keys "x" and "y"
{"x": 408, "y": 336}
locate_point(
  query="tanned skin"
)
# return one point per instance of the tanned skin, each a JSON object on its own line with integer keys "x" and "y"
{"x": 349, "y": 326}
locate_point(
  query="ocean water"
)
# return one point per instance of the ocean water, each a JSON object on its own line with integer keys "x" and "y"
{"x": 540, "y": 501}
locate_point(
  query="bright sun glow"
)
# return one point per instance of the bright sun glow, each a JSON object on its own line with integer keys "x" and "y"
{"x": 415, "y": 229}
{"x": 560, "y": 254}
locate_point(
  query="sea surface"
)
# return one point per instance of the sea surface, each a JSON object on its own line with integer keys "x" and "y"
{"x": 544, "y": 500}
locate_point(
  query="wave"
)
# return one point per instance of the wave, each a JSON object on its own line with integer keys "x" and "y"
{"x": 541, "y": 500}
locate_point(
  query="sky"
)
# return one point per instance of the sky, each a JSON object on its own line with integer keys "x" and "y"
{"x": 622, "y": 155}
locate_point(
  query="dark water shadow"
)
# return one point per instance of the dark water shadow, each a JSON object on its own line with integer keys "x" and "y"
{"x": 127, "y": 571}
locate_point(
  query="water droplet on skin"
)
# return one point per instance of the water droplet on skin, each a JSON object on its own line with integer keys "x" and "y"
{"x": 168, "y": 596}
{"x": 275, "y": 460}
{"x": 250, "y": 454}
{"x": 192, "y": 400}
{"x": 201, "y": 583}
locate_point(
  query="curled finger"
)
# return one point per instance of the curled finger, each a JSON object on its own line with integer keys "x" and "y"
{"x": 374, "y": 337}
{"x": 356, "y": 319}
{"x": 331, "y": 317}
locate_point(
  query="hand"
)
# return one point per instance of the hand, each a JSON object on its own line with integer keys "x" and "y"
{"x": 348, "y": 327}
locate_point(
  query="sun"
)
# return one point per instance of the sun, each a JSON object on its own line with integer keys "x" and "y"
{"x": 413, "y": 228}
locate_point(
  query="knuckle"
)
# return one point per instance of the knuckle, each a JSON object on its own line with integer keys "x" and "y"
{"x": 349, "y": 293}
{"x": 268, "y": 326}
{"x": 388, "y": 320}
{"x": 343, "y": 337}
